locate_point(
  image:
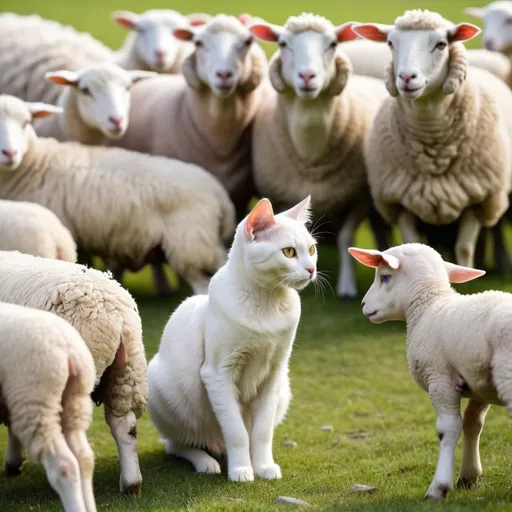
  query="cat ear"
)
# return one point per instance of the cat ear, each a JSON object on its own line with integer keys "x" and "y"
{"x": 300, "y": 212}
{"x": 260, "y": 218}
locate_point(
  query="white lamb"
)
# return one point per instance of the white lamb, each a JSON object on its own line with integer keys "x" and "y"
{"x": 106, "y": 317}
{"x": 46, "y": 377}
{"x": 33, "y": 229}
{"x": 95, "y": 104}
{"x": 458, "y": 346}
{"x": 440, "y": 146}
{"x": 204, "y": 117}
{"x": 124, "y": 206}
{"x": 309, "y": 133}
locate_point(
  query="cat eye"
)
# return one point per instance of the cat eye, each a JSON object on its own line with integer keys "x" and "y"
{"x": 312, "y": 250}
{"x": 385, "y": 278}
{"x": 289, "y": 252}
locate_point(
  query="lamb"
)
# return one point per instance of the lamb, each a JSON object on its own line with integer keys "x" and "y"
{"x": 164, "y": 210}
{"x": 33, "y": 229}
{"x": 458, "y": 346}
{"x": 440, "y": 146}
{"x": 46, "y": 377}
{"x": 95, "y": 104}
{"x": 107, "y": 318}
{"x": 204, "y": 116}
{"x": 309, "y": 133}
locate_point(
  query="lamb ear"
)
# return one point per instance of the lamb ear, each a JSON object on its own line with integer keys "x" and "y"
{"x": 63, "y": 77}
{"x": 458, "y": 274}
{"x": 137, "y": 75}
{"x": 345, "y": 32}
{"x": 475, "y": 12}
{"x": 197, "y": 19}
{"x": 126, "y": 19}
{"x": 260, "y": 218}
{"x": 39, "y": 109}
{"x": 266, "y": 32}
{"x": 373, "y": 31}
{"x": 183, "y": 34}
{"x": 373, "y": 258}
{"x": 463, "y": 32}
{"x": 300, "y": 212}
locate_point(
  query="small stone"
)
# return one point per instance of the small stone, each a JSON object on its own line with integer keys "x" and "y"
{"x": 357, "y": 436}
{"x": 363, "y": 488}
{"x": 293, "y": 444}
{"x": 294, "y": 475}
{"x": 286, "y": 500}
{"x": 327, "y": 428}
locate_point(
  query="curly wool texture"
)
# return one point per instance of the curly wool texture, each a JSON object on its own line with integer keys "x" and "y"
{"x": 98, "y": 307}
{"x": 421, "y": 19}
{"x": 436, "y": 168}
{"x": 32, "y": 229}
{"x": 308, "y": 21}
{"x": 36, "y": 351}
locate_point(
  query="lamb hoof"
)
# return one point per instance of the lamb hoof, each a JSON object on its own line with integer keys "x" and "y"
{"x": 438, "y": 494}
{"x": 11, "y": 470}
{"x": 465, "y": 483}
{"x": 132, "y": 490}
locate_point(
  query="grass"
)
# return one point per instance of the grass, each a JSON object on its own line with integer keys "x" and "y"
{"x": 345, "y": 371}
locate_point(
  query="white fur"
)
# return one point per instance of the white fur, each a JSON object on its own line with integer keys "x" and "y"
{"x": 220, "y": 379}
{"x": 46, "y": 377}
{"x": 497, "y": 17}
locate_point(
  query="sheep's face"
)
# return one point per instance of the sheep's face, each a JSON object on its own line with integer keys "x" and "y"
{"x": 497, "y": 18}
{"x": 102, "y": 95}
{"x": 222, "y": 56}
{"x": 16, "y": 130}
{"x": 420, "y": 57}
{"x": 278, "y": 251}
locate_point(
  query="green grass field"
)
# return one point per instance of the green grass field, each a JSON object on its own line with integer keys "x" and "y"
{"x": 345, "y": 371}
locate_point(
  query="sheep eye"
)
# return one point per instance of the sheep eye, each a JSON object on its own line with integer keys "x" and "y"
{"x": 390, "y": 44}
{"x": 199, "y": 44}
{"x": 312, "y": 250}
{"x": 333, "y": 45}
{"x": 281, "y": 44}
{"x": 441, "y": 45}
{"x": 289, "y": 252}
{"x": 385, "y": 278}
{"x": 85, "y": 91}
{"x": 248, "y": 41}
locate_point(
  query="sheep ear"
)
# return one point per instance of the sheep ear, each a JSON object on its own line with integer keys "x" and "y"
{"x": 63, "y": 77}
{"x": 126, "y": 19}
{"x": 300, "y": 212}
{"x": 183, "y": 34}
{"x": 189, "y": 71}
{"x": 373, "y": 31}
{"x": 373, "y": 258}
{"x": 197, "y": 19}
{"x": 39, "y": 109}
{"x": 345, "y": 32}
{"x": 458, "y": 274}
{"x": 137, "y": 75}
{"x": 266, "y": 32}
{"x": 475, "y": 12}
{"x": 274, "y": 73}
{"x": 462, "y": 32}
{"x": 343, "y": 71}
{"x": 260, "y": 218}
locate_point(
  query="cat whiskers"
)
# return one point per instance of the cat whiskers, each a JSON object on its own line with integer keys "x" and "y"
{"x": 315, "y": 233}
{"x": 321, "y": 284}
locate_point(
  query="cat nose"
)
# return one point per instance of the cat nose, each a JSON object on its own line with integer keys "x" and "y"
{"x": 311, "y": 270}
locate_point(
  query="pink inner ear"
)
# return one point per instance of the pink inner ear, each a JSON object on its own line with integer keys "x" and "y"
{"x": 369, "y": 31}
{"x": 464, "y": 32}
{"x": 260, "y": 218}
{"x": 245, "y": 19}
{"x": 458, "y": 274}
{"x": 197, "y": 22}
{"x": 60, "y": 80}
{"x": 265, "y": 33}
{"x": 125, "y": 22}
{"x": 183, "y": 34}
{"x": 345, "y": 33}
{"x": 370, "y": 258}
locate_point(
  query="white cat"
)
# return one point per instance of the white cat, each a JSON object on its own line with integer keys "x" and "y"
{"x": 220, "y": 379}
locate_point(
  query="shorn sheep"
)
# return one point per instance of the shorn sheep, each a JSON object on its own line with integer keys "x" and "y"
{"x": 204, "y": 116}
{"x": 124, "y": 206}
{"x": 46, "y": 377}
{"x": 458, "y": 346}
{"x": 309, "y": 133}
{"x": 440, "y": 146}
{"x": 95, "y": 103}
{"x": 33, "y": 229}
{"x": 107, "y": 318}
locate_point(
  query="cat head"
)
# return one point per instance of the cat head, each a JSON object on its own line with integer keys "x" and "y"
{"x": 278, "y": 250}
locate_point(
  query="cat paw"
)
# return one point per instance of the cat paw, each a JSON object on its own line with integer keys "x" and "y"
{"x": 210, "y": 467}
{"x": 268, "y": 472}
{"x": 241, "y": 474}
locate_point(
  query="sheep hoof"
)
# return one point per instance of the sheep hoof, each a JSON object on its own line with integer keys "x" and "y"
{"x": 11, "y": 470}
{"x": 465, "y": 483}
{"x": 133, "y": 490}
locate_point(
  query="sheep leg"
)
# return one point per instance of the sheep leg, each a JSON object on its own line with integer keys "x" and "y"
{"x": 473, "y": 423}
{"x": 446, "y": 401}
{"x": 501, "y": 256}
{"x": 202, "y": 462}
{"x": 124, "y": 431}
{"x": 382, "y": 233}
{"x": 347, "y": 286}
{"x": 160, "y": 282}
{"x": 469, "y": 229}
{"x": 14, "y": 456}
{"x": 408, "y": 229}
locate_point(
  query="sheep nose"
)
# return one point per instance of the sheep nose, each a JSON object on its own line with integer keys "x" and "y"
{"x": 10, "y": 153}
{"x": 116, "y": 120}
{"x": 407, "y": 78}
{"x": 224, "y": 75}
{"x": 307, "y": 76}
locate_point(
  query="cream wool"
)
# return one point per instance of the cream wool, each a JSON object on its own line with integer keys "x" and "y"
{"x": 32, "y": 229}
{"x": 107, "y": 318}
{"x": 164, "y": 209}
{"x": 46, "y": 377}
{"x": 458, "y": 346}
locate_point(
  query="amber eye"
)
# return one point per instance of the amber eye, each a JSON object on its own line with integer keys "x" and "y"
{"x": 312, "y": 250}
{"x": 289, "y": 252}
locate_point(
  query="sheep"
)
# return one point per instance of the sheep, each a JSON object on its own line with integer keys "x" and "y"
{"x": 150, "y": 44}
{"x": 440, "y": 146}
{"x": 204, "y": 116}
{"x": 458, "y": 346}
{"x": 308, "y": 134}
{"x": 46, "y": 377}
{"x": 95, "y": 104}
{"x": 33, "y": 229}
{"x": 107, "y": 318}
{"x": 121, "y": 205}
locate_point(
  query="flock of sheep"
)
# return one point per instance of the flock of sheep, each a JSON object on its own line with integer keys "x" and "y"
{"x": 152, "y": 153}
